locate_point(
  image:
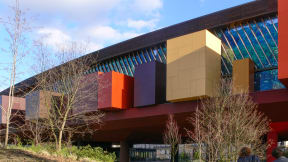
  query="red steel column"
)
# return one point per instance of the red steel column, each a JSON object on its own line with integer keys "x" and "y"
{"x": 283, "y": 41}
{"x": 272, "y": 139}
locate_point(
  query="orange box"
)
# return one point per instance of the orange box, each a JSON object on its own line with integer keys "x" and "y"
{"x": 115, "y": 91}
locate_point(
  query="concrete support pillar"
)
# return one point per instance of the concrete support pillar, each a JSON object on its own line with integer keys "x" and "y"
{"x": 124, "y": 151}
{"x": 272, "y": 138}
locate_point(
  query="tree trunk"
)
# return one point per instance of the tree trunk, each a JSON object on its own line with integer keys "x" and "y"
{"x": 6, "y": 134}
{"x": 59, "y": 147}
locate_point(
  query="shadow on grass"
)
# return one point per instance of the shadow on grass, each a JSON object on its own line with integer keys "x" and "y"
{"x": 19, "y": 155}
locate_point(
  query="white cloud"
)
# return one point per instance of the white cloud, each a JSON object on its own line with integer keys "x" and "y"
{"x": 95, "y": 20}
{"x": 140, "y": 24}
{"x": 92, "y": 46}
{"x": 53, "y": 37}
{"x": 147, "y": 5}
{"x": 99, "y": 37}
{"x": 106, "y": 34}
{"x": 73, "y": 9}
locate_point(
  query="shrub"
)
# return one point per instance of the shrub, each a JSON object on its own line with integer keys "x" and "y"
{"x": 96, "y": 153}
{"x": 83, "y": 152}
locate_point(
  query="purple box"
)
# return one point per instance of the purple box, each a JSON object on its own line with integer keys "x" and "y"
{"x": 149, "y": 84}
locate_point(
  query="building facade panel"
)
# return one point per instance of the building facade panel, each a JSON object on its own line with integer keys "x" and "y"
{"x": 18, "y": 105}
{"x": 115, "y": 91}
{"x": 283, "y": 35}
{"x": 87, "y": 96}
{"x": 243, "y": 76}
{"x": 193, "y": 66}
{"x": 39, "y": 103}
{"x": 149, "y": 84}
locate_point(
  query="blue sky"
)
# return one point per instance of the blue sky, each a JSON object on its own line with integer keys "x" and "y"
{"x": 99, "y": 22}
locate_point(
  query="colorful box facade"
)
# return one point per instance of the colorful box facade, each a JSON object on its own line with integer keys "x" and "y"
{"x": 19, "y": 104}
{"x": 193, "y": 66}
{"x": 87, "y": 95}
{"x": 38, "y": 104}
{"x": 115, "y": 91}
{"x": 149, "y": 84}
{"x": 282, "y": 39}
{"x": 243, "y": 76}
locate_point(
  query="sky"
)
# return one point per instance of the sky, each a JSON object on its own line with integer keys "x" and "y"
{"x": 101, "y": 23}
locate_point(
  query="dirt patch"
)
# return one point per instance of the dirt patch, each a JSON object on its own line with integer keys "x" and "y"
{"x": 13, "y": 155}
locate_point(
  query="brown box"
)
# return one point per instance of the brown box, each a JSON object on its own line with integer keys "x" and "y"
{"x": 243, "y": 76}
{"x": 38, "y": 104}
{"x": 193, "y": 66}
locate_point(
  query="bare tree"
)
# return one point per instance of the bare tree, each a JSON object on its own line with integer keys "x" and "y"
{"x": 224, "y": 124}
{"x": 70, "y": 96}
{"x": 172, "y": 137}
{"x": 16, "y": 27}
{"x": 34, "y": 131}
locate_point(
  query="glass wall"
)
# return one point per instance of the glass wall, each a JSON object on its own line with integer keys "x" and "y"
{"x": 126, "y": 63}
{"x": 256, "y": 39}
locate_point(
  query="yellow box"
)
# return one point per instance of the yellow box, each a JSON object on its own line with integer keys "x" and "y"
{"x": 243, "y": 76}
{"x": 193, "y": 66}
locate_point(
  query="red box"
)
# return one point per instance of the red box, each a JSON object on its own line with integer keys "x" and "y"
{"x": 283, "y": 40}
{"x": 19, "y": 105}
{"x": 115, "y": 91}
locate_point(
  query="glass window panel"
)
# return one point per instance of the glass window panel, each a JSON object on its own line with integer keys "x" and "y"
{"x": 161, "y": 53}
{"x": 146, "y": 55}
{"x": 253, "y": 37}
{"x": 223, "y": 68}
{"x": 127, "y": 66}
{"x": 107, "y": 67}
{"x": 151, "y": 54}
{"x": 119, "y": 66}
{"x": 111, "y": 66}
{"x": 114, "y": 65}
{"x": 134, "y": 60}
{"x": 249, "y": 46}
{"x": 164, "y": 48}
{"x": 239, "y": 43}
{"x": 232, "y": 44}
{"x": 103, "y": 67}
{"x": 123, "y": 66}
{"x": 138, "y": 58}
{"x": 158, "y": 58}
{"x": 143, "y": 59}
{"x": 265, "y": 43}
{"x": 267, "y": 80}
{"x": 100, "y": 68}
{"x": 131, "y": 64}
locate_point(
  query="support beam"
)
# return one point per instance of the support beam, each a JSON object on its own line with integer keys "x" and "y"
{"x": 124, "y": 151}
